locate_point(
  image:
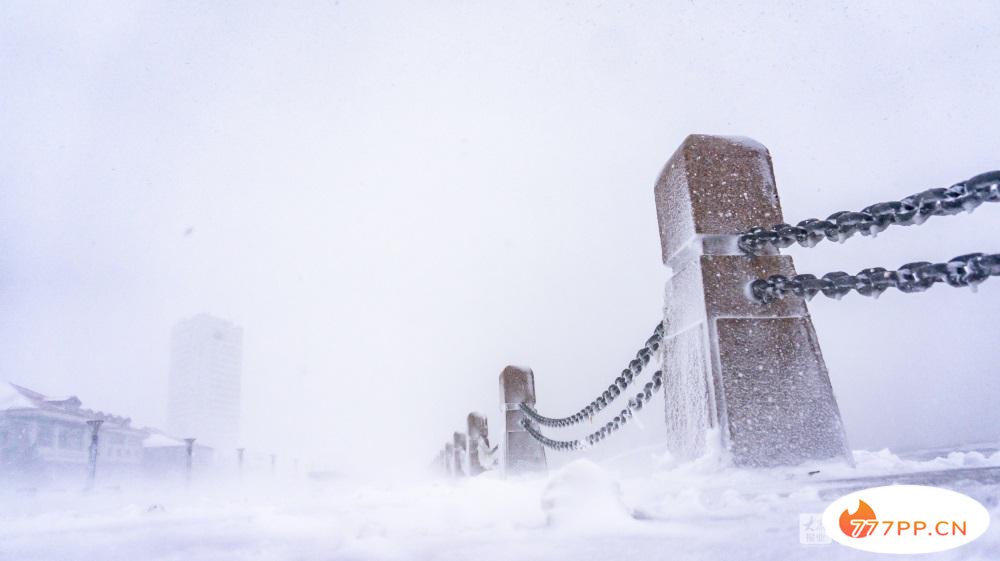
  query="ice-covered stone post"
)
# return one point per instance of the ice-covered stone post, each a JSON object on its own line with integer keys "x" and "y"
{"x": 449, "y": 458}
{"x": 754, "y": 371}
{"x": 521, "y": 452}
{"x": 461, "y": 446}
{"x": 95, "y": 427}
{"x": 479, "y": 442}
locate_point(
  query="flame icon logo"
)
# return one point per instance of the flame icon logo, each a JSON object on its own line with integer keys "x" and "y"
{"x": 861, "y": 523}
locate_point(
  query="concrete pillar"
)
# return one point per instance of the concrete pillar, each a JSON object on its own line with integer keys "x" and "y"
{"x": 95, "y": 427}
{"x": 479, "y": 443}
{"x": 521, "y": 452}
{"x": 754, "y": 371}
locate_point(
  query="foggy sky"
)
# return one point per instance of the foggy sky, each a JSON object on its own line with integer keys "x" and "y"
{"x": 397, "y": 200}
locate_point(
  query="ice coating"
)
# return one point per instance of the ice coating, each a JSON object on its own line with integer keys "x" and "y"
{"x": 521, "y": 453}
{"x": 753, "y": 370}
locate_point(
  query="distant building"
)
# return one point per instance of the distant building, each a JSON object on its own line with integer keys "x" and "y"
{"x": 44, "y": 438}
{"x": 205, "y": 381}
{"x": 49, "y": 437}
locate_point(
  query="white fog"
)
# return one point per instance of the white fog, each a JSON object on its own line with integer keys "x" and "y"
{"x": 389, "y": 203}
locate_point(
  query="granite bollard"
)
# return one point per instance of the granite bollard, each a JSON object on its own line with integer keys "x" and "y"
{"x": 461, "y": 449}
{"x": 754, "y": 371}
{"x": 449, "y": 459}
{"x": 479, "y": 443}
{"x": 521, "y": 452}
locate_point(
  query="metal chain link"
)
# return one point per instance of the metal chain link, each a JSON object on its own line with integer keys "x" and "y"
{"x": 964, "y": 270}
{"x": 634, "y": 404}
{"x": 915, "y": 209}
{"x": 614, "y": 390}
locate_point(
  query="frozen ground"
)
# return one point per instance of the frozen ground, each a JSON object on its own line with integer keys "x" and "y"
{"x": 638, "y": 507}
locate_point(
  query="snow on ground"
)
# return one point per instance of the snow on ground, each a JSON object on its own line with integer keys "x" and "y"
{"x": 642, "y": 506}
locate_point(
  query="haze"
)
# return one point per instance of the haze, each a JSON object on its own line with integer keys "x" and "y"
{"x": 397, "y": 200}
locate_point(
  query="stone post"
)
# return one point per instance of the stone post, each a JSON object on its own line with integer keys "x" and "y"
{"x": 752, "y": 371}
{"x": 449, "y": 459}
{"x": 461, "y": 448}
{"x": 95, "y": 427}
{"x": 479, "y": 442}
{"x": 189, "y": 456}
{"x": 521, "y": 452}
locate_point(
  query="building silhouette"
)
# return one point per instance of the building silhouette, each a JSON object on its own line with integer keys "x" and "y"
{"x": 45, "y": 439}
{"x": 206, "y": 358}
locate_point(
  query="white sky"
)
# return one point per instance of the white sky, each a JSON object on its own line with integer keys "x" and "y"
{"x": 397, "y": 200}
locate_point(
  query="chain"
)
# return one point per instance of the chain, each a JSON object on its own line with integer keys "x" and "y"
{"x": 915, "y": 209}
{"x": 964, "y": 270}
{"x": 634, "y": 404}
{"x": 622, "y": 382}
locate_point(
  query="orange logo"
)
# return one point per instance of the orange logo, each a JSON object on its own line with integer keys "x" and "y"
{"x": 861, "y": 523}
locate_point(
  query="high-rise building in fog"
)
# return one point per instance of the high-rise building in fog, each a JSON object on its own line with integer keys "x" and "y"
{"x": 206, "y": 358}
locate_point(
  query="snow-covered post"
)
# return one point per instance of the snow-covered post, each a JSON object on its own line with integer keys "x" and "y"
{"x": 449, "y": 458}
{"x": 479, "y": 442}
{"x": 444, "y": 461}
{"x": 521, "y": 452}
{"x": 274, "y": 463}
{"x": 95, "y": 426}
{"x": 461, "y": 446}
{"x": 239, "y": 459}
{"x": 189, "y": 455}
{"x": 753, "y": 371}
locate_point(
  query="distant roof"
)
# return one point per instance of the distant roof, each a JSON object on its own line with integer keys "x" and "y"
{"x": 158, "y": 440}
{"x": 14, "y": 397}
{"x": 11, "y": 398}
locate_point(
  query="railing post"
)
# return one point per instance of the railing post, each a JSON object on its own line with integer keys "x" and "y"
{"x": 461, "y": 447}
{"x": 437, "y": 465}
{"x": 449, "y": 459}
{"x": 753, "y": 370}
{"x": 521, "y": 452}
{"x": 95, "y": 426}
{"x": 479, "y": 442}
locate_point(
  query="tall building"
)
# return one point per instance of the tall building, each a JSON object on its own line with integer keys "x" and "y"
{"x": 206, "y": 359}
